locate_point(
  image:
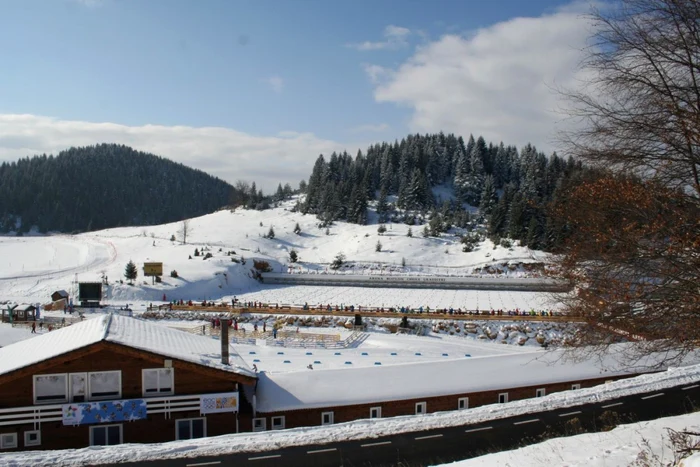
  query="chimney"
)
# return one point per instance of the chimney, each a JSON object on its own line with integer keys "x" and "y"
{"x": 224, "y": 341}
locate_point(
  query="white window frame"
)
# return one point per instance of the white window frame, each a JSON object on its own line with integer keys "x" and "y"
{"x": 121, "y": 433}
{"x": 5, "y": 444}
{"x": 331, "y": 417}
{"x": 108, "y": 396}
{"x": 52, "y": 401}
{"x": 280, "y": 423}
{"x": 421, "y": 408}
{"x": 28, "y": 442}
{"x": 540, "y": 392}
{"x": 378, "y": 411}
{"x": 159, "y": 392}
{"x": 70, "y": 386}
{"x": 504, "y": 396}
{"x": 462, "y": 403}
{"x": 576, "y": 386}
{"x": 262, "y": 421}
{"x": 190, "y": 420}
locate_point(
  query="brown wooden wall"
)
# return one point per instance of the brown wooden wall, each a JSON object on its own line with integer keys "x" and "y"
{"x": 16, "y": 390}
{"x": 312, "y": 417}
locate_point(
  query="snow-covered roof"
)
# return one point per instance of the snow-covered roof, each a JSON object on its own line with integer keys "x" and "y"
{"x": 340, "y": 387}
{"x": 126, "y": 331}
{"x": 61, "y": 293}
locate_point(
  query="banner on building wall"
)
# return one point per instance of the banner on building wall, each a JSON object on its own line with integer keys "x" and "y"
{"x": 216, "y": 403}
{"x": 104, "y": 412}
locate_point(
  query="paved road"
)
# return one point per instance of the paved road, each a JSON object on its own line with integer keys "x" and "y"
{"x": 456, "y": 443}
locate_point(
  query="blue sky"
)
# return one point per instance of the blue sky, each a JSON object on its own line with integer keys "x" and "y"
{"x": 253, "y": 75}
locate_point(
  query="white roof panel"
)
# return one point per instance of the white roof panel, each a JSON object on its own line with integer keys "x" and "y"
{"x": 122, "y": 330}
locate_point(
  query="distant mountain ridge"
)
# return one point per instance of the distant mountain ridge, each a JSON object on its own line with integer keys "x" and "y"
{"x": 103, "y": 186}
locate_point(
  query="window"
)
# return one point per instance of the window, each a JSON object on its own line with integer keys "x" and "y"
{"x": 420, "y": 408}
{"x": 191, "y": 428}
{"x": 541, "y": 392}
{"x": 278, "y": 423}
{"x": 259, "y": 424}
{"x": 32, "y": 438}
{"x": 575, "y": 386}
{"x": 503, "y": 398}
{"x": 78, "y": 387}
{"x": 8, "y": 440}
{"x": 375, "y": 412}
{"x": 327, "y": 418}
{"x": 105, "y": 384}
{"x": 158, "y": 381}
{"x": 462, "y": 403}
{"x": 106, "y": 435}
{"x": 50, "y": 389}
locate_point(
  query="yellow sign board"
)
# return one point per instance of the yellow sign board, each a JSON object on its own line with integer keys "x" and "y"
{"x": 152, "y": 269}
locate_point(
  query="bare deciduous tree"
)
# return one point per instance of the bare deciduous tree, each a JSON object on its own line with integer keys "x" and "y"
{"x": 633, "y": 253}
{"x": 185, "y": 230}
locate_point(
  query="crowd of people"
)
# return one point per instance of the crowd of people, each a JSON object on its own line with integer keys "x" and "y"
{"x": 330, "y": 308}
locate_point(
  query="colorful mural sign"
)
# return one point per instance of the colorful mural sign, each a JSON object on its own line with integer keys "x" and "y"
{"x": 104, "y": 412}
{"x": 216, "y": 403}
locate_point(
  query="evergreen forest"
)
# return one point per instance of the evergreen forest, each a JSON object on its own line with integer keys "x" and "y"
{"x": 511, "y": 188}
{"x": 103, "y": 186}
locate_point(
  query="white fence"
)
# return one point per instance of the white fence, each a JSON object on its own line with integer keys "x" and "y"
{"x": 38, "y": 414}
{"x": 300, "y": 342}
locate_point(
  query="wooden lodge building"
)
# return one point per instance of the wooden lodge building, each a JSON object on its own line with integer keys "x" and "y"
{"x": 19, "y": 313}
{"x": 323, "y": 397}
{"x": 116, "y": 379}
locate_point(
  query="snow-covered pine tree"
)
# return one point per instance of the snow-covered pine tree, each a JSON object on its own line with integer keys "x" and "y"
{"x": 130, "y": 272}
{"x": 489, "y": 198}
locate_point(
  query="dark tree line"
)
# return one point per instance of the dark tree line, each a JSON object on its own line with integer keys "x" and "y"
{"x": 103, "y": 186}
{"x": 513, "y": 188}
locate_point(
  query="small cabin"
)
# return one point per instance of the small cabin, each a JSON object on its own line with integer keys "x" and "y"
{"x": 59, "y": 295}
{"x": 19, "y": 313}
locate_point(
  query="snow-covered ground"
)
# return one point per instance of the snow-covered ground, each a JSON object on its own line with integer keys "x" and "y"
{"x": 637, "y": 444}
{"x": 395, "y": 297}
{"x": 31, "y": 268}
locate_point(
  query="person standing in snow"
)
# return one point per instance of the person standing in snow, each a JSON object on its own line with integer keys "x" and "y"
{"x": 33, "y": 328}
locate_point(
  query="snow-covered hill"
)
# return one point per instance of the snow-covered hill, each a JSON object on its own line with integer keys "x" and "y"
{"x": 33, "y": 267}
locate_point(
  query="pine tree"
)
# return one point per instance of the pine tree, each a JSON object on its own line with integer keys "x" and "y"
{"x": 489, "y": 198}
{"x": 293, "y": 256}
{"x": 382, "y": 206}
{"x": 533, "y": 234}
{"x": 378, "y": 246}
{"x": 130, "y": 272}
{"x": 297, "y": 229}
{"x": 410, "y": 232}
{"x": 271, "y": 233}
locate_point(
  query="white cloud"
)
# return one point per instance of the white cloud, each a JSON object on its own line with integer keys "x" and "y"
{"x": 378, "y": 128}
{"x": 497, "y": 82}
{"x": 395, "y": 37}
{"x": 223, "y": 152}
{"x": 276, "y": 83}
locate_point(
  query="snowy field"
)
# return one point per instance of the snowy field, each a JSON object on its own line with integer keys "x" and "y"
{"x": 395, "y": 297}
{"x": 33, "y": 267}
{"x": 636, "y": 444}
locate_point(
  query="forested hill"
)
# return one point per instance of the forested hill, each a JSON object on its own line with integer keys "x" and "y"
{"x": 103, "y": 186}
{"x": 512, "y": 188}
